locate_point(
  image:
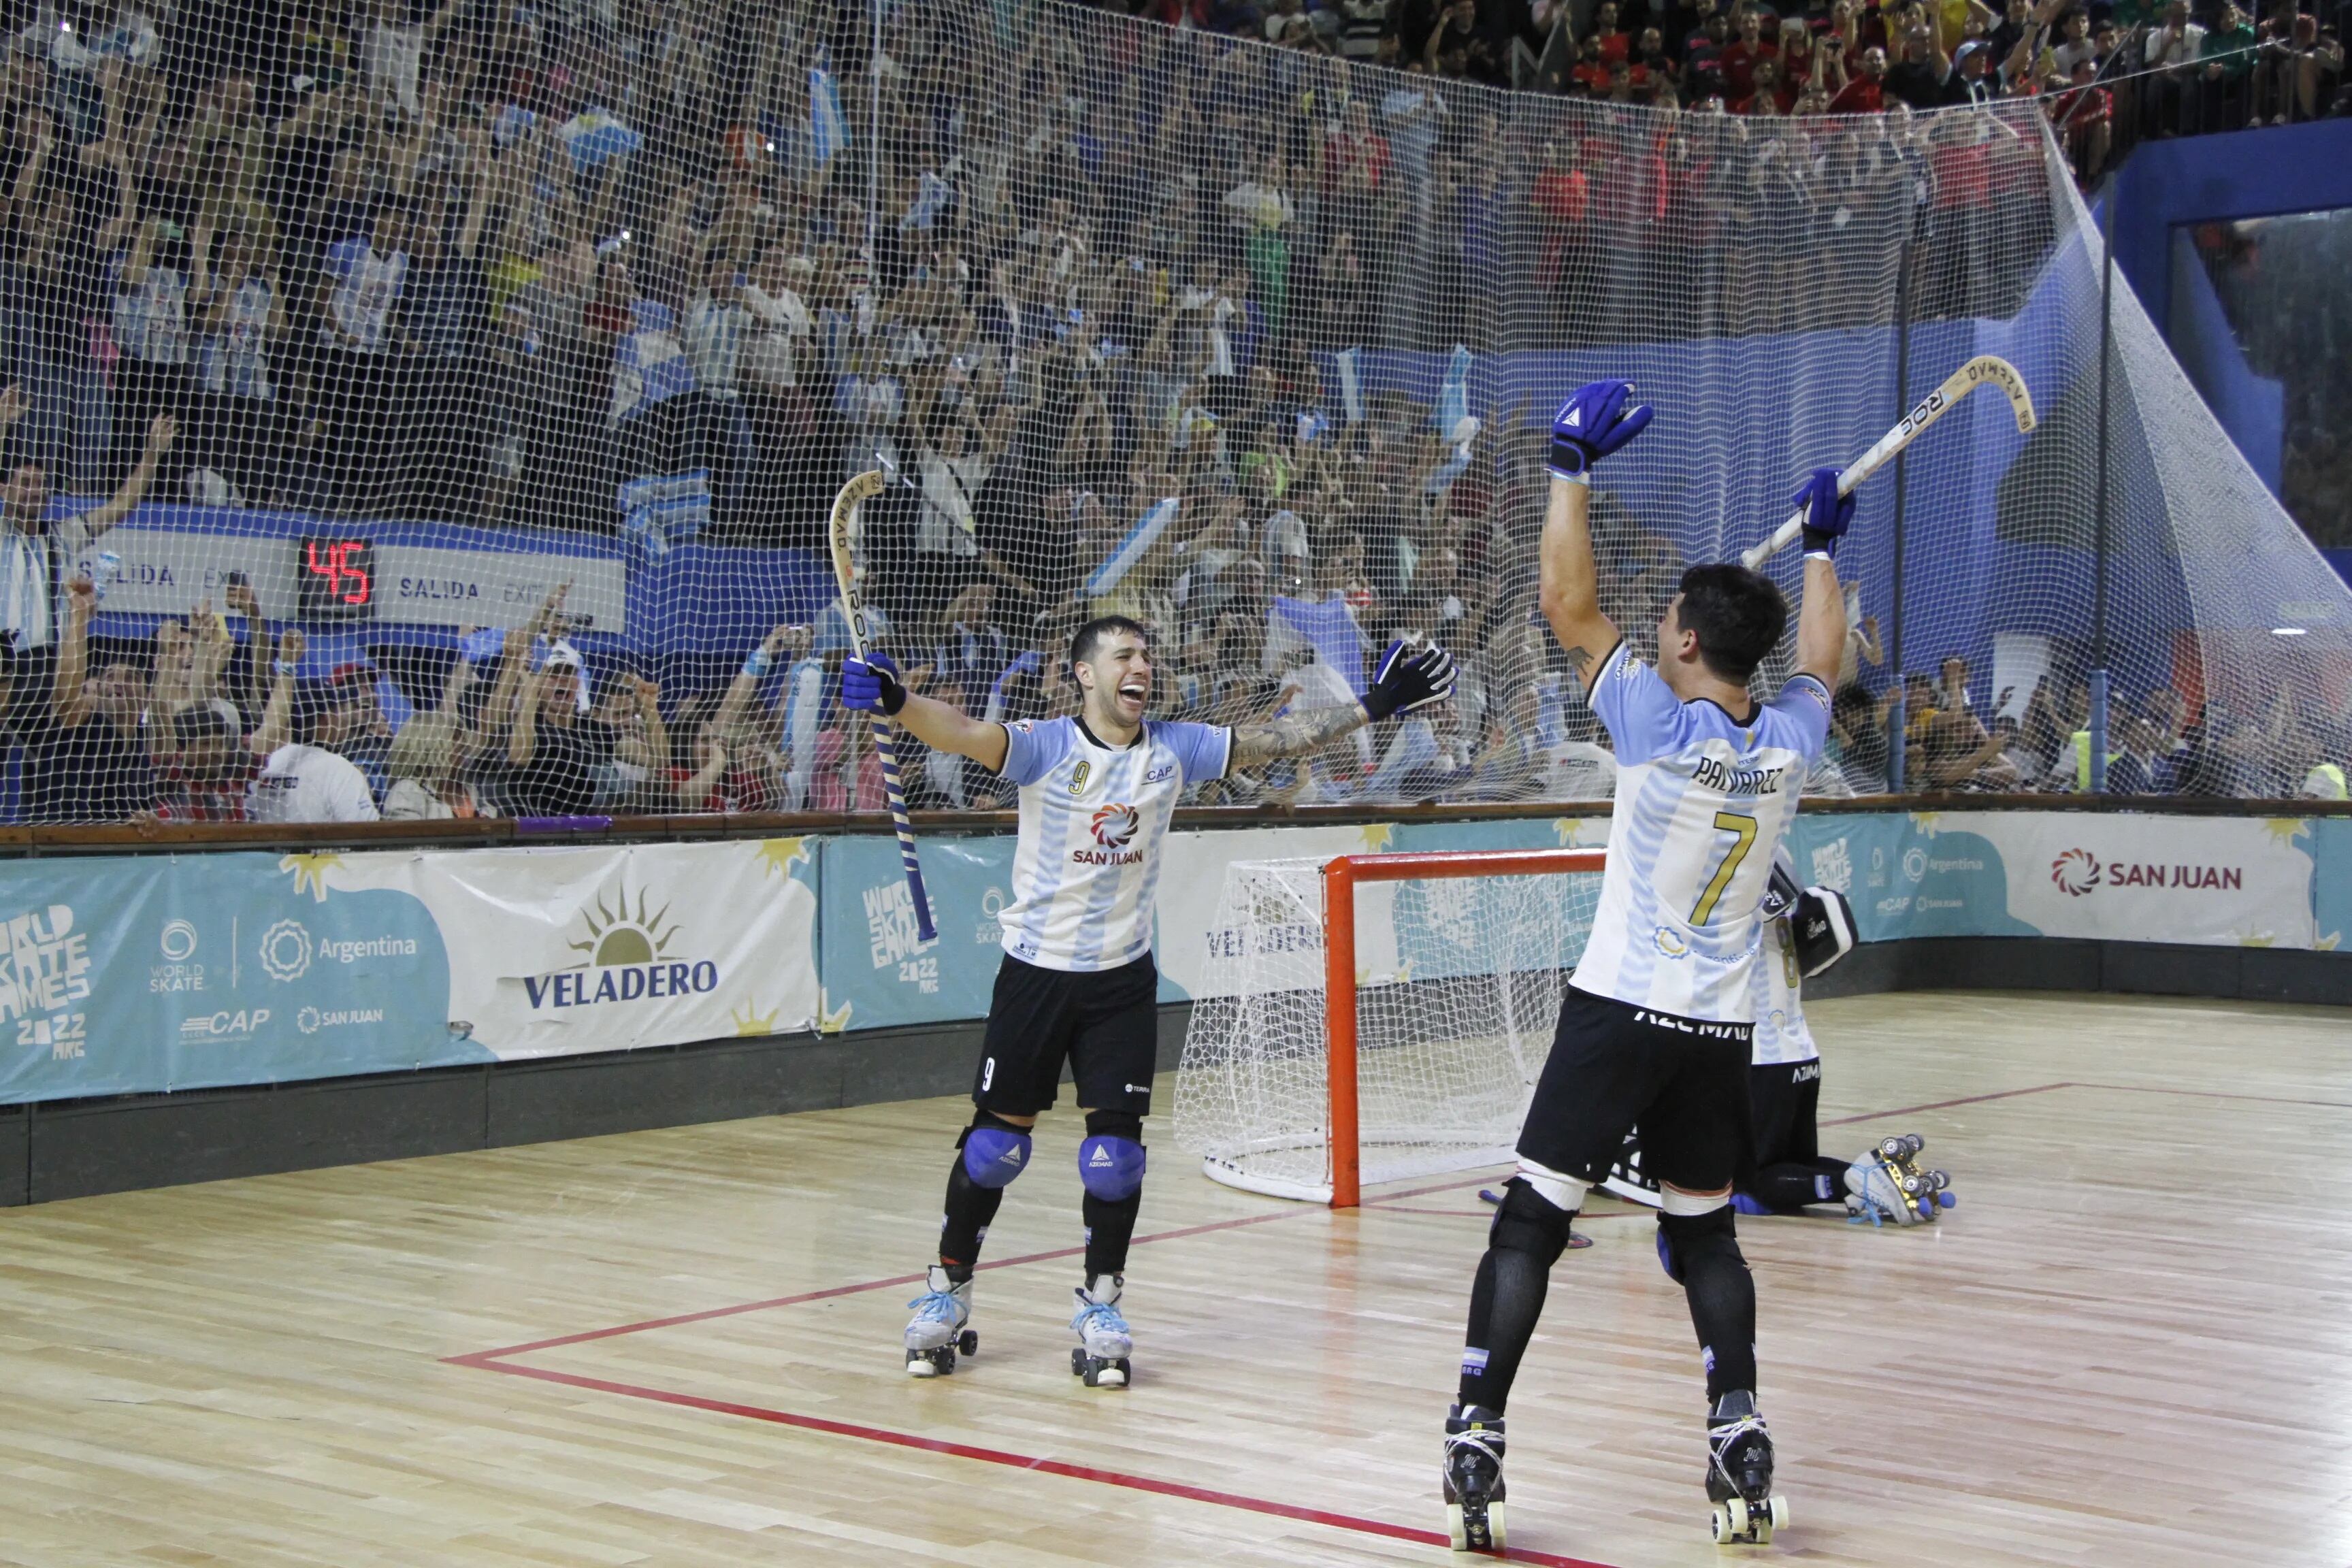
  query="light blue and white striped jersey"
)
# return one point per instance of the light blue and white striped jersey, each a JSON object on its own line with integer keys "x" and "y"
{"x": 1782, "y": 1038}
{"x": 1702, "y": 800}
{"x": 1093, "y": 818}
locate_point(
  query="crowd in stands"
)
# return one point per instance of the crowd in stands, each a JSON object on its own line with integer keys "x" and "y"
{"x": 612, "y": 267}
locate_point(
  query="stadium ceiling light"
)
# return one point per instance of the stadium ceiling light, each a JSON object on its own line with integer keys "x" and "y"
{"x": 2287, "y": 632}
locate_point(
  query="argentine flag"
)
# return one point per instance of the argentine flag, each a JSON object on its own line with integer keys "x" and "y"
{"x": 593, "y": 135}
{"x": 1139, "y": 540}
{"x": 649, "y": 365}
{"x": 828, "y": 132}
{"x": 663, "y": 508}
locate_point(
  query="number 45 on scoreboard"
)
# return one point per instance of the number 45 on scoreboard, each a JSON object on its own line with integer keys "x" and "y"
{"x": 334, "y": 579}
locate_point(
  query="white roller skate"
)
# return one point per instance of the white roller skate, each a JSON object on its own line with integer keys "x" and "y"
{"x": 1100, "y": 1358}
{"x": 1739, "y": 1474}
{"x": 936, "y": 1330}
{"x": 1474, "y": 1479}
{"x": 1887, "y": 1183}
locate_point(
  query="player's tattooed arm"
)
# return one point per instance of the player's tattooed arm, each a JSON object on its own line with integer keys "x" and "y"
{"x": 1293, "y": 736}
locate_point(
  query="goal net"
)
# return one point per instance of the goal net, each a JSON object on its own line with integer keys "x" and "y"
{"x": 389, "y": 374}
{"x": 1378, "y": 1016}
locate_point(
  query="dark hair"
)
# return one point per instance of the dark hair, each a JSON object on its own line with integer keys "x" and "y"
{"x": 1738, "y": 616}
{"x": 1091, "y": 635}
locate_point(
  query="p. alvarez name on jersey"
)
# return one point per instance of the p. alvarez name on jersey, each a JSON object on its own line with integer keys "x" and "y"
{"x": 1702, "y": 800}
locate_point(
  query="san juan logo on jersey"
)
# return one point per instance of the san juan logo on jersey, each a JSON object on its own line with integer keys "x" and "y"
{"x": 1115, "y": 827}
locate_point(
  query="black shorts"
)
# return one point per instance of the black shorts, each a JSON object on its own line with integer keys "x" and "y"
{"x": 1784, "y": 1098}
{"x": 1104, "y": 1022}
{"x": 1614, "y": 1065}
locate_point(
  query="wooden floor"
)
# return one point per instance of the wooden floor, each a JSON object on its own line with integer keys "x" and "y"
{"x": 2130, "y": 1344}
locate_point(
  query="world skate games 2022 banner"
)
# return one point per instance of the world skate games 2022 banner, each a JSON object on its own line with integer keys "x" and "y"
{"x": 152, "y": 973}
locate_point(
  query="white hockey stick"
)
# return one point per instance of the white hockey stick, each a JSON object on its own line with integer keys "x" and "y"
{"x": 843, "y": 536}
{"x": 1985, "y": 370}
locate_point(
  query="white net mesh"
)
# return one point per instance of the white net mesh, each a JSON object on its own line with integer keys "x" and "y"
{"x": 448, "y": 307}
{"x": 1458, "y": 988}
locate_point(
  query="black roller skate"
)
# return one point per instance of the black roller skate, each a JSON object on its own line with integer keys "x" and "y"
{"x": 1474, "y": 1479}
{"x": 1739, "y": 1473}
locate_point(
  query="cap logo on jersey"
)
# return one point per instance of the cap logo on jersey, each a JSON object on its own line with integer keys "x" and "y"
{"x": 1078, "y": 777}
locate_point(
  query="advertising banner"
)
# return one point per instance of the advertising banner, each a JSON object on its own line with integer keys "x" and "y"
{"x": 557, "y": 951}
{"x": 875, "y": 970}
{"x": 184, "y": 972}
{"x": 161, "y": 972}
{"x": 2209, "y": 881}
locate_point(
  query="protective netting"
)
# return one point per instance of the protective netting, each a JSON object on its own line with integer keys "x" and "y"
{"x": 1458, "y": 987}
{"x": 447, "y": 402}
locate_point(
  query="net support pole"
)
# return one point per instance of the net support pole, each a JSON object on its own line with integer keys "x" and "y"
{"x": 2098, "y": 684}
{"x": 1339, "y": 1020}
{"x": 1897, "y": 722}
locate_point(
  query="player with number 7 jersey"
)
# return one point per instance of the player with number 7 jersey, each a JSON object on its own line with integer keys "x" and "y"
{"x": 1654, "y": 1025}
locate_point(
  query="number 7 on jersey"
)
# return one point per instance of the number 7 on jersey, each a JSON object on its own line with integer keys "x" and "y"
{"x": 1743, "y": 828}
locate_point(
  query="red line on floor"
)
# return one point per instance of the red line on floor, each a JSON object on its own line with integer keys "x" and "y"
{"x": 1947, "y": 1104}
{"x": 2214, "y": 1094}
{"x": 1295, "y": 1211}
{"x": 1015, "y": 1461}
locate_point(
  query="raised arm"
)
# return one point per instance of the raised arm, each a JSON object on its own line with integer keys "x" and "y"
{"x": 160, "y": 433}
{"x": 1820, "y": 617}
{"x": 1590, "y": 426}
{"x": 277, "y": 714}
{"x": 69, "y": 697}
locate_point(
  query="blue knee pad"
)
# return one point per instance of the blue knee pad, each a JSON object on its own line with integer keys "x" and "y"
{"x": 1111, "y": 1166}
{"x": 994, "y": 1152}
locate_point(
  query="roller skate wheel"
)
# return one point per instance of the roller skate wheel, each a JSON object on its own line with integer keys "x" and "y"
{"x": 1779, "y": 1513}
{"x": 1497, "y": 1538}
{"x": 1720, "y": 1525}
{"x": 931, "y": 1364}
{"x": 1914, "y": 1185}
{"x": 968, "y": 1342}
{"x": 1453, "y": 1529}
{"x": 1893, "y": 1149}
{"x": 1734, "y": 1511}
{"x": 1941, "y": 1178}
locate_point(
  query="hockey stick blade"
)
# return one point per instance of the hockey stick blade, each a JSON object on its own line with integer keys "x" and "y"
{"x": 1985, "y": 370}
{"x": 842, "y": 536}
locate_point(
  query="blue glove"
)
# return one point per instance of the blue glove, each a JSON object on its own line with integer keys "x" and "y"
{"x": 872, "y": 684}
{"x": 1827, "y": 513}
{"x": 1593, "y": 423}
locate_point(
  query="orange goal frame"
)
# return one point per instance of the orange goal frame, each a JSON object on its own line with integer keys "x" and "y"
{"x": 1341, "y": 876}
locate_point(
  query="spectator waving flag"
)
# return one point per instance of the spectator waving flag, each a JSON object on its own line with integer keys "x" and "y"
{"x": 662, "y": 510}
{"x": 828, "y": 132}
{"x": 649, "y": 364}
{"x": 1352, "y": 385}
{"x": 1326, "y": 626}
{"x": 931, "y": 202}
{"x": 1138, "y": 543}
{"x": 595, "y": 136}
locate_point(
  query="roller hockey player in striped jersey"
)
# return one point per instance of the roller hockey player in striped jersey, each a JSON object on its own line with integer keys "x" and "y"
{"x": 1077, "y": 982}
{"x": 1654, "y": 1025}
